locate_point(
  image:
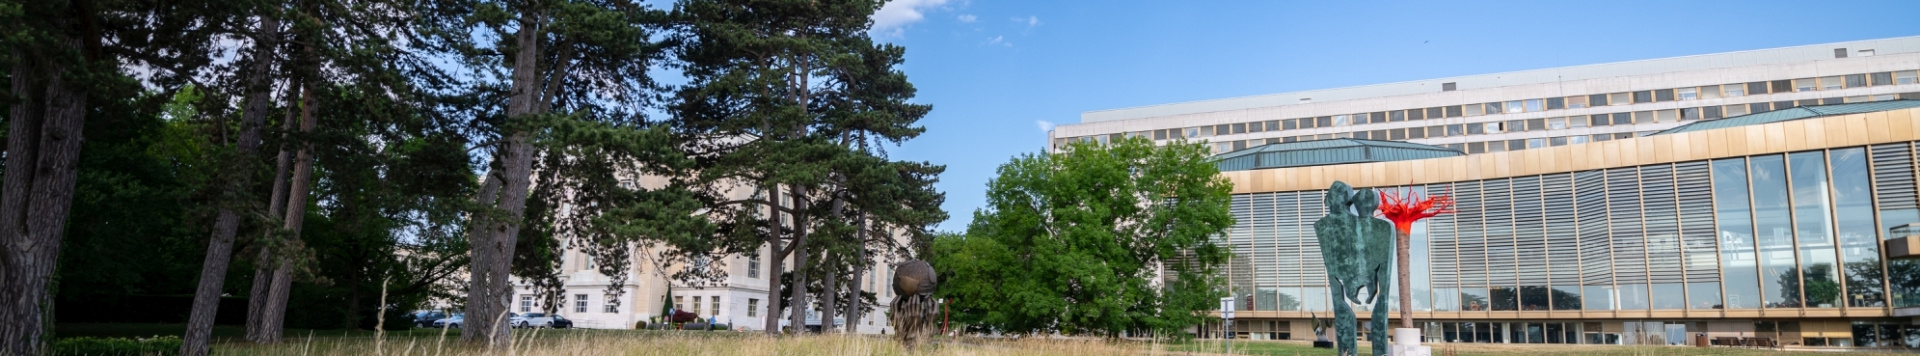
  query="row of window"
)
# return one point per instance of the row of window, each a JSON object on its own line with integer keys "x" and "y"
{"x": 1795, "y": 230}
{"x": 1555, "y": 123}
{"x": 1534, "y": 105}
{"x": 579, "y": 304}
{"x": 679, "y": 304}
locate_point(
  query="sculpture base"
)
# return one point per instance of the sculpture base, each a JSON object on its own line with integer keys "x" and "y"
{"x": 1406, "y": 342}
{"x": 1323, "y": 344}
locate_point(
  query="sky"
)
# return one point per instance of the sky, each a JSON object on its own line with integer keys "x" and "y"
{"x": 1000, "y": 73}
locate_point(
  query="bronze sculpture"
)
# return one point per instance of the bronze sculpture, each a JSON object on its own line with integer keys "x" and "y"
{"x": 1357, "y": 250}
{"x": 914, "y": 310}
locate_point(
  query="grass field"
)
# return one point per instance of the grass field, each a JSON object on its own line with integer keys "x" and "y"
{"x": 536, "y": 342}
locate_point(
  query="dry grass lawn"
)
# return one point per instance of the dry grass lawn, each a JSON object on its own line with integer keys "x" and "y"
{"x": 641, "y": 343}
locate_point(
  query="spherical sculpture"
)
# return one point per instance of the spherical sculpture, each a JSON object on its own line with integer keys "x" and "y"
{"x": 914, "y": 309}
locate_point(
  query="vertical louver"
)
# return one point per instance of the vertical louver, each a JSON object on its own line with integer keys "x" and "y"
{"x": 1694, "y": 189}
{"x": 1660, "y": 218}
{"x": 1470, "y": 230}
{"x": 1529, "y": 231}
{"x": 1596, "y": 251}
{"x": 1562, "y": 230}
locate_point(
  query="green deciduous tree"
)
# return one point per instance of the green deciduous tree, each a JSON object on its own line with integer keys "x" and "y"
{"x": 1095, "y": 239}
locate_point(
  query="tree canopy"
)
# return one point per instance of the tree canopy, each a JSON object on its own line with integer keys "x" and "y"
{"x": 1094, "y": 239}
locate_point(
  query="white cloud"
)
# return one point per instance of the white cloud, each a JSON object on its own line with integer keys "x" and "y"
{"x": 1030, "y": 20}
{"x": 968, "y": 18}
{"x": 1001, "y": 40}
{"x": 892, "y": 19}
{"x": 1044, "y": 125}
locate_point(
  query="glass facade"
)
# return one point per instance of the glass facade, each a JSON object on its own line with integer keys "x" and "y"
{"x": 1776, "y": 231}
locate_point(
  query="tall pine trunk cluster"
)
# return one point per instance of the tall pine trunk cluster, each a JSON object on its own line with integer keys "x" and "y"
{"x": 44, "y": 132}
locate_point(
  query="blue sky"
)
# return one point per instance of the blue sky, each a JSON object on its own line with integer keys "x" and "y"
{"x": 997, "y": 71}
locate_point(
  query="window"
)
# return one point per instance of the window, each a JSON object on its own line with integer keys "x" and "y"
{"x": 526, "y": 303}
{"x": 580, "y": 303}
{"x": 1222, "y": 147}
{"x": 1456, "y": 130}
{"x": 1396, "y": 116}
{"x": 1323, "y": 121}
{"x": 1536, "y": 142}
{"x": 1448, "y": 86}
{"x": 1558, "y": 123}
{"x": 1734, "y": 90}
{"x": 1687, "y": 93}
{"x": 1476, "y": 148}
{"x": 1193, "y": 132}
{"x": 1576, "y": 121}
{"x": 715, "y": 302}
{"x": 1341, "y": 120}
{"x": 1289, "y": 124}
{"x": 1906, "y": 77}
{"x": 1517, "y": 125}
{"x": 1597, "y": 100}
{"x": 608, "y": 305}
{"x": 1578, "y": 102}
{"x": 1221, "y": 129}
{"x": 1643, "y": 117}
{"x": 1475, "y": 109}
{"x": 753, "y": 263}
{"x": 1536, "y": 124}
{"x": 1840, "y": 53}
{"x": 1663, "y": 95}
{"x": 1556, "y": 103}
{"x": 1619, "y": 99}
{"x": 1256, "y": 127}
{"x": 1416, "y": 133}
{"x": 1757, "y": 88}
{"x": 1239, "y": 145}
{"x": 1491, "y": 128}
{"x": 1435, "y": 113}
{"x": 1239, "y": 128}
{"x": 1734, "y": 110}
{"x": 1477, "y": 129}
{"x": 753, "y": 307}
{"x": 1436, "y": 131}
{"x": 1496, "y": 146}
{"x": 1856, "y": 80}
{"x": 1576, "y": 140}
{"x": 1397, "y": 134}
{"x": 1599, "y": 120}
{"x": 1557, "y": 141}
{"x": 1881, "y": 78}
{"x": 1273, "y": 125}
{"x": 679, "y": 303}
{"x": 1667, "y": 116}
{"x": 1833, "y": 82}
{"x": 696, "y": 306}
{"x": 1416, "y": 114}
{"x": 1709, "y": 113}
{"x": 1643, "y": 96}
{"x": 1804, "y": 84}
{"x": 1516, "y": 145}
{"x": 1759, "y": 107}
{"x": 1710, "y": 92}
{"x": 1621, "y": 118}
{"x": 1453, "y": 111}
{"x": 1157, "y": 135}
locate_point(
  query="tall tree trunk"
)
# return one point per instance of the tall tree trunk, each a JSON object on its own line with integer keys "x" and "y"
{"x": 859, "y": 270}
{"x": 273, "y": 315}
{"x": 830, "y": 293}
{"x": 488, "y": 290}
{"x": 43, "y": 148}
{"x": 776, "y": 260}
{"x": 1401, "y": 239}
{"x": 213, "y": 272}
{"x": 276, "y": 206}
{"x": 798, "y": 296}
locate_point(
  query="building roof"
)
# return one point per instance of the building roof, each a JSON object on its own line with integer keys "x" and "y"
{"x": 1794, "y": 54}
{"x": 1796, "y": 113}
{"x": 1325, "y": 152}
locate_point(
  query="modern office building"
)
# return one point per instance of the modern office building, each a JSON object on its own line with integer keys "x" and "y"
{"x": 1764, "y": 196}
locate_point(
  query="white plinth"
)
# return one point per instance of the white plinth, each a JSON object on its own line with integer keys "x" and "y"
{"x": 1406, "y": 342}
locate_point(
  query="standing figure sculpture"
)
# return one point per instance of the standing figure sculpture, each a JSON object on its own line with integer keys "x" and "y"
{"x": 1358, "y": 252}
{"x": 914, "y": 311}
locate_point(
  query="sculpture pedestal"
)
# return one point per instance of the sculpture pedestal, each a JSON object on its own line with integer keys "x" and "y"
{"x": 1406, "y": 342}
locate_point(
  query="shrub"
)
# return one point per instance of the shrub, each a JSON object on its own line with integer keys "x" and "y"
{"x": 96, "y": 346}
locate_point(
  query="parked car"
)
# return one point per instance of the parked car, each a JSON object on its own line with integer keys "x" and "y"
{"x": 425, "y": 318}
{"x": 451, "y": 321}
{"x": 544, "y": 320}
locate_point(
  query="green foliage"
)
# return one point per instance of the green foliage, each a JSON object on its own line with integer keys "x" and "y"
{"x": 114, "y": 346}
{"x": 1071, "y": 242}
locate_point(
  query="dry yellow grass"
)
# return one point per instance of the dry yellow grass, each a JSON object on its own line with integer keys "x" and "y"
{"x": 645, "y": 343}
